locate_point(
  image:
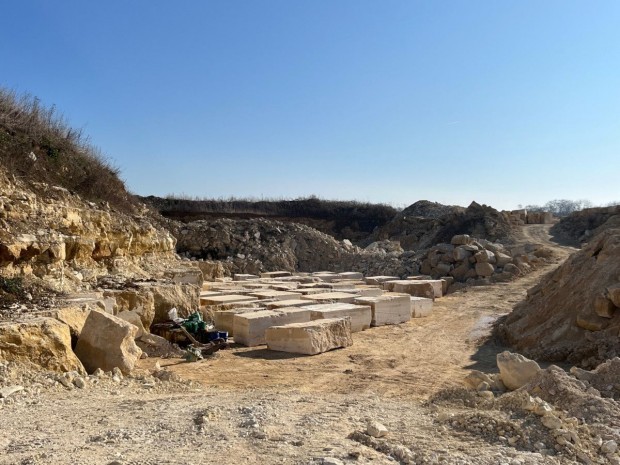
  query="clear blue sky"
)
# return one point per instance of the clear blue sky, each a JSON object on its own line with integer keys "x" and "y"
{"x": 502, "y": 102}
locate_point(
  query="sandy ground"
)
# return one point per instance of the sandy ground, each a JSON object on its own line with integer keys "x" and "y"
{"x": 250, "y": 405}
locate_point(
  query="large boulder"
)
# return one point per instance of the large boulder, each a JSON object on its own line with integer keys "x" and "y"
{"x": 516, "y": 370}
{"x": 107, "y": 342}
{"x": 43, "y": 341}
{"x": 184, "y": 297}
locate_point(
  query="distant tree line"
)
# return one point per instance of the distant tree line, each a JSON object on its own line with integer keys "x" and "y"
{"x": 560, "y": 207}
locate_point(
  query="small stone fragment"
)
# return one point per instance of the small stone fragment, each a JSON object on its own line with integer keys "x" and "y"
{"x": 376, "y": 429}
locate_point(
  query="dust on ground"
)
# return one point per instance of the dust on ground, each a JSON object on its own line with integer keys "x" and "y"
{"x": 250, "y": 405}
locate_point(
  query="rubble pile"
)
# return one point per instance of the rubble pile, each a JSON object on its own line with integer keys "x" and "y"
{"x": 477, "y": 261}
{"x": 558, "y": 415}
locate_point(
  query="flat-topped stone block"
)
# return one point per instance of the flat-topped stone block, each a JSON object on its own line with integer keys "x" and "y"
{"x": 360, "y": 315}
{"x": 310, "y": 338}
{"x": 326, "y": 277}
{"x": 244, "y": 277}
{"x": 288, "y": 303}
{"x": 226, "y": 299}
{"x": 326, "y": 297}
{"x": 276, "y": 295}
{"x": 419, "y": 288}
{"x": 369, "y": 291}
{"x": 312, "y": 290}
{"x": 275, "y": 274}
{"x": 388, "y": 309}
{"x": 346, "y": 283}
{"x": 249, "y": 328}
{"x": 351, "y": 275}
{"x": 378, "y": 280}
{"x": 421, "y": 307}
{"x": 224, "y": 319}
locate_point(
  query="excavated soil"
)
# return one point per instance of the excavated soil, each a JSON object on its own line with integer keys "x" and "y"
{"x": 250, "y": 405}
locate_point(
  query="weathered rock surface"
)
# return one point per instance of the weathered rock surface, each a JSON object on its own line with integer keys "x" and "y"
{"x": 310, "y": 338}
{"x": 389, "y": 309}
{"x": 107, "y": 342}
{"x": 250, "y": 327}
{"x": 45, "y": 342}
{"x": 360, "y": 316}
{"x": 516, "y": 370}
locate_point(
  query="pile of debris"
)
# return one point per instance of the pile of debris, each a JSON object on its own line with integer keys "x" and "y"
{"x": 571, "y": 416}
{"x": 477, "y": 261}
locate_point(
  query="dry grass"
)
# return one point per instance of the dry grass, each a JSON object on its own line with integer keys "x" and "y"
{"x": 37, "y": 144}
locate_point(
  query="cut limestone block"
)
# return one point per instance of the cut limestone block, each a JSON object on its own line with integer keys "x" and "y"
{"x": 421, "y": 277}
{"x": 244, "y": 277}
{"x": 430, "y": 288}
{"x": 42, "y": 341}
{"x": 388, "y": 309}
{"x": 275, "y": 274}
{"x": 312, "y": 290}
{"x": 210, "y": 293}
{"x": 276, "y": 295}
{"x": 374, "y": 280}
{"x": 351, "y": 275}
{"x": 326, "y": 297}
{"x": 421, "y": 307}
{"x": 360, "y": 315}
{"x": 224, "y": 319}
{"x": 107, "y": 342}
{"x": 346, "y": 283}
{"x": 249, "y": 328}
{"x": 310, "y": 338}
{"x": 326, "y": 277}
{"x": 369, "y": 291}
{"x": 288, "y": 303}
{"x": 227, "y": 299}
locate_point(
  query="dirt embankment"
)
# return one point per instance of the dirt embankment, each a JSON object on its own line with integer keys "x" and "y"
{"x": 570, "y": 315}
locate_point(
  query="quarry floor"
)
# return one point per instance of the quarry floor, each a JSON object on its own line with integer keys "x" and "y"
{"x": 251, "y": 405}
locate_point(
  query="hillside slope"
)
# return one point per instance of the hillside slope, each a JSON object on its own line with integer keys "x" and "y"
{"x": 561, "y": 318}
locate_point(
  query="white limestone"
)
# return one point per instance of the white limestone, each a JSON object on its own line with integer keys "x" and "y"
{"x": 227, "y": 299}
{"x": 224, "y": 319}
{"x": 276, "y": 295}
{"x": 249, "y": 328}
{"x": 388, "y": 309}
{"x": 360, "y": 315}
{"x": 310, "y": 338}
{"x": 326, "y": 297}
{"x": 421, "y": 307}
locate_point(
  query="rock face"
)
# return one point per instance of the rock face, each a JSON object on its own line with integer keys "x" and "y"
{"x": 45, "y": 342}
{"x": 516, "y": 370}
{"x": 310, "y": 338}
{"x": 65, "y": 241}
{"x": 559, "y": 319}
{"x": 107, "y": 342}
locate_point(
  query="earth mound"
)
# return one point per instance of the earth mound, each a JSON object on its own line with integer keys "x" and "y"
{"x": 572, "y": 314}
